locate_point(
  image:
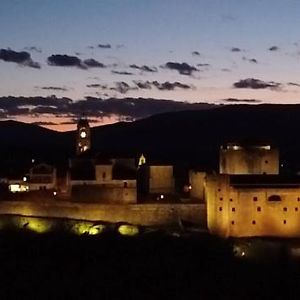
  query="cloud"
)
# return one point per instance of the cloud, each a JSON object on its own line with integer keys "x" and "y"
{"x": 92, "y": 63}
{"x": 162, "y": 86}
{"x": 53, "y": 88}
{"x": 235, "y": 49}
{"x": 104, "y": 46}
{"x": 42, "y": 123}
{"x": 234, "y": 100}
{"x": 251, "y": 60}
{"x": 144, "y": 68}
{"x": 203, "y": 65}
{"x": 225, "y": 70}
{"x": 251, "y": 83}
{"x": 122, "y": 87}
{"x": 33, "y": 49}
{"x": 182, "y": 68}
{"x": 97, "y": 85}
{"x": 293, "y": 84}
{"x": 196, "y": 53}
{"x": 169, "y": 86}
{"x": 64, "y": 61}
{"x": 274, "y": 48}
{"x": 22, "y": 58}
{"x": 121, "y": 72}
{"x": 133, "y": 108}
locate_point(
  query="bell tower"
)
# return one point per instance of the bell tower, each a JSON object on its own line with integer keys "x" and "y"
{"x": 83, "y": 136}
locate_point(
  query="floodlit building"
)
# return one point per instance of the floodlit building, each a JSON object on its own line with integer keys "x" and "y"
{"x": 253, "y": 205}
{"x": 248, "y": 159}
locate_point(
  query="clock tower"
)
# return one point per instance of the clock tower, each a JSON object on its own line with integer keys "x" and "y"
{"x": 83, "y": 136}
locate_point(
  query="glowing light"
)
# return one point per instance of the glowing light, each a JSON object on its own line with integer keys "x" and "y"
{"x": 83, "y": 134}
{"x": 39, "y": 225}
{"x": 129, "y": 230}
{"x": 54, "y": 193}
{"x": 24, "y": 178}
{"x": 142, "y": 160}
{"x": 18, "y": 188}
{"x": 81, "y": 228}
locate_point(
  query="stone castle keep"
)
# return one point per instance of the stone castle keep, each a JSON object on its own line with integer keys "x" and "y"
{"x": 247, "y": 196}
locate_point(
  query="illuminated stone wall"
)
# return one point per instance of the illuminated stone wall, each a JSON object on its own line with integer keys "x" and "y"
{"x": 197, "y": 180}
{"x": 139, "y": 214}
{"x": 241, "y": 212}
{"x": 253, "y": 160}
{"x": 161, "y": 179}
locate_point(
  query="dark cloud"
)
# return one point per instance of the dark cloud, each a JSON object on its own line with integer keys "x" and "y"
{"x": 182, "y": 68}
{"x": 53, "y": 88}
{"x": 33, "y": 49}
{"x": 121, "y": 72}
{"x": 196, "y": 53}
{"x": 293, "y": 84}
{"x": 104, "y": 46}
{"x": 65, "y": 61}
{"x": 162, "y": 86}
{"x": 169, "y": 86}
{"x": 144, "y": 68}
{"x": 274, "y": 48}
{"x": 92, "y": 63}
{"x": 144, "y": 85}
{"x": 22, "y": 58}
{"x": 251, "y": 60}
{"x": 235, "y": 49}
{"x": 234, "y": 100}
{"x": 122, "y": 87}
{"x": 251, "y": 83}
{"x": 133, "y": 108}
{"x": 203, "y": 65}
{"x": 97, "y": 85}
{"x": 45, "y": 123}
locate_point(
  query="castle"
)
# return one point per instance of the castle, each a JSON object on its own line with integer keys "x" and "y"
{"x": 248, "y": 196}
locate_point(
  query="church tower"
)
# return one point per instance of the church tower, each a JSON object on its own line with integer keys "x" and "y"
{"x": 83, "y": 136}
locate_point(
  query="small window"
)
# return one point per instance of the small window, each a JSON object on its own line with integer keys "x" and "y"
{"x": 233, "y": 209}
{"x": 285, "y": 209}
{"x": 220, "y": 208}
{"x": 258, "y": 208}
{"x": 296, "y": 208}
{"x": 230, "y": 200}
{"x": 253, "y": 222}
{"x": 266, "y": 162}
{"x": 221, "y": 199}
{"x": 125, "y": 184}
{"x": 254, "y": 198}
{"x": 274, "y": 198}
{"x": 103, "y": 175}
{"x": 232, "y": 222}
{"x": 298, "y": 199}
{"x": 284, "y": 221}
{"x": 219, "y": 190}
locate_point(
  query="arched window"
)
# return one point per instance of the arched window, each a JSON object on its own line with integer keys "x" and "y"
{"x": 274, "y": 198}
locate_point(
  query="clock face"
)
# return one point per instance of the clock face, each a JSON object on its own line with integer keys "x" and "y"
{"x": 83, "y": 134}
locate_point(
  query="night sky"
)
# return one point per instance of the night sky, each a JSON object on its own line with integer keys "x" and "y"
{"x": 191, "y": 51}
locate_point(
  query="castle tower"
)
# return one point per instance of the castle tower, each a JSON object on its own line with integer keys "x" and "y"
{"x": 83, "y": 136}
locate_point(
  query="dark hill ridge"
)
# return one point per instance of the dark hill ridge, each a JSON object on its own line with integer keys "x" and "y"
{"x": 192, "y": 136}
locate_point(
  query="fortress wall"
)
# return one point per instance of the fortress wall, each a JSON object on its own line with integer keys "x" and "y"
{"x": 140, "y": 214}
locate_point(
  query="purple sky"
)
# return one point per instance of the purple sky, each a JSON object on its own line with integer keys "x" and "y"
{"x": 194, "y": 51}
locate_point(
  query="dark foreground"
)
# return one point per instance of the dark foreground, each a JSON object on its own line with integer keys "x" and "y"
{"x": 153, "y": 266}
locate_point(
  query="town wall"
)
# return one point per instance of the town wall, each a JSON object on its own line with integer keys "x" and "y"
{"x": 139, "y": 214}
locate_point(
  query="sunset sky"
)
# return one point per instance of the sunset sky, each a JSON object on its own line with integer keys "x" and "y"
{"x": 186, "y": 51}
